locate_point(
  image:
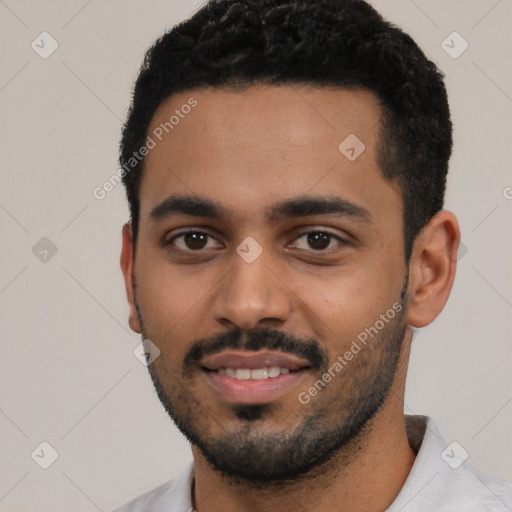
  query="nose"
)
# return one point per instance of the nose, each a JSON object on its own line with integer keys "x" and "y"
{"x": 250, "y": 294}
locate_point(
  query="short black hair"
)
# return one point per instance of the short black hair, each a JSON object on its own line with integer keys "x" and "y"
{"x": 343, "y": 43}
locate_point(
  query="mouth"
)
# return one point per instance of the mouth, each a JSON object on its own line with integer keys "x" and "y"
{"x": 241, "y": 377}
{"x": 254, "y": 374}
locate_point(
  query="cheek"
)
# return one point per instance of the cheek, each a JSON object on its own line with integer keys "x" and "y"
{"x": 341, "y": 306}
{"x": 169, "y": 300}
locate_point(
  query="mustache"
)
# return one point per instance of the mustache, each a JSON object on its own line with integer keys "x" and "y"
{"x": 263, "y": 338}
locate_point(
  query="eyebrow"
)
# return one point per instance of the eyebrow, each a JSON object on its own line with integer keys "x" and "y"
{"x": 303, "y": 206}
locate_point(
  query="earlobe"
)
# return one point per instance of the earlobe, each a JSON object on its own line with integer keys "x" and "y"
{"x": 432, "y": 268}
{"x": 127, "y": 266}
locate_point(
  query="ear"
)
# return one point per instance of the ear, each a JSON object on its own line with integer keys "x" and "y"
{"x": 127, "y": 265}
{"x": 432, "y": 268}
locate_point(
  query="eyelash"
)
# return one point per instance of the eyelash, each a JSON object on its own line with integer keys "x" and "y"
{"x": 341, "y": 241}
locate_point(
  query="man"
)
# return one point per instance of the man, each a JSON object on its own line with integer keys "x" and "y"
{"x": 285, "y": 165}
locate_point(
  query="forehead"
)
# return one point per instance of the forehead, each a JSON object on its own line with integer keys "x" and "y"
{"x": 247, "y": 148}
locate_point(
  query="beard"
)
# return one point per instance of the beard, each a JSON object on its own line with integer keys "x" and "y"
{"x": 256, "y": 454}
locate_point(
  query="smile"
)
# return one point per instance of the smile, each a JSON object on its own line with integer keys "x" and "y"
{"x": 243, "y": 377}
{"x": 254, "y": 374}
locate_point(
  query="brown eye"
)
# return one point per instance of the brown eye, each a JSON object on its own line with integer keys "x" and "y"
{"x": 190, "y": 241}
{"x": 319, "y": 240}
{"x": 195, "y": 240}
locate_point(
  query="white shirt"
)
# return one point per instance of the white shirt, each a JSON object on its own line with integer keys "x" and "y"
{"x": 439, "y": 481}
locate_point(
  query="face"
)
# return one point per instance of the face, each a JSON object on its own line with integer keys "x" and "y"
{"x": 270, "y": 274}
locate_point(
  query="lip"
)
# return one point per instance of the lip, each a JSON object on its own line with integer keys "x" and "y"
{"x": 253, "y": 392}
{"x": 253, "y": 360}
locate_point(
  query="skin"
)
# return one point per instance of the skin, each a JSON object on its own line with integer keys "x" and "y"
{"x": 249, "y": 149}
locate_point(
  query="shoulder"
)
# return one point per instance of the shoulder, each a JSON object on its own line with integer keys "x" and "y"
{"x": 442, "y": 479}
{"x": 480, "y": 491}
{"x": 174, "y": 495}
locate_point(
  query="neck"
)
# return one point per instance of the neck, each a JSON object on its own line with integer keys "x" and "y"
{"x": 365, "y": 476}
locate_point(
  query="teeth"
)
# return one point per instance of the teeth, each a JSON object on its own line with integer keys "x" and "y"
{"x": 254, "y": 374}
{"x": 259, "y": 374}
{"x": 274, "y": 371}
{"x": 242, "y": 374}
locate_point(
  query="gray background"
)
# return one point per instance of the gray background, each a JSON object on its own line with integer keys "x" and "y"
{"x": 68, "y": 373}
